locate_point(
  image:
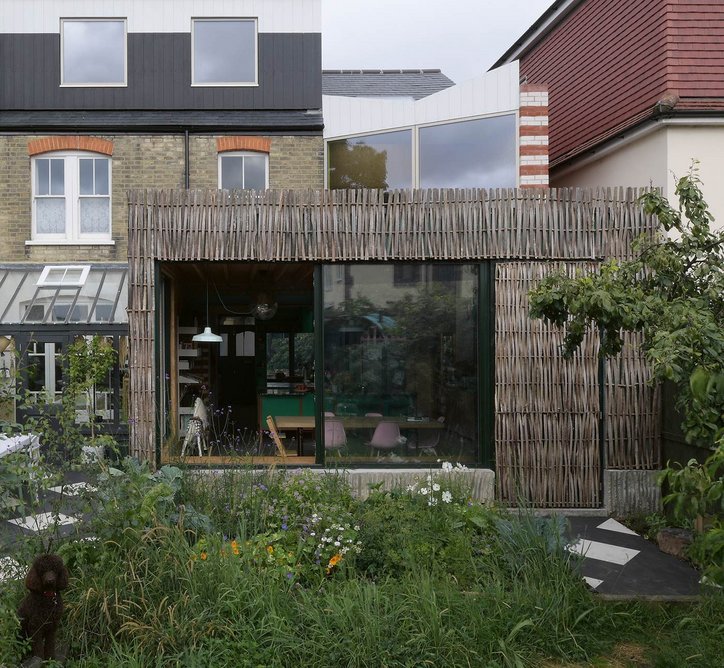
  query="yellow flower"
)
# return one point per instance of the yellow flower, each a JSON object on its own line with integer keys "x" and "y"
{"x": 270, "y": 549}
{"x": 235, "y": 547}
{"x": 334, "y": 561}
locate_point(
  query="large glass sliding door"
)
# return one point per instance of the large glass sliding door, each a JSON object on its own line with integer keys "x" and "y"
{"x": 400, "y": 362}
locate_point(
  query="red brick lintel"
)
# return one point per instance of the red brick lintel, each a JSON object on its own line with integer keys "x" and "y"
{"x": 72, "y": 143}
{"x": 242, "y": 143}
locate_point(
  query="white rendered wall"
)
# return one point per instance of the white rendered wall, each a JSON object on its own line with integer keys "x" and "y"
{"x": 494, "y": 92}
{"x": 658, "y": 159}
{"x": 43, "y": 16}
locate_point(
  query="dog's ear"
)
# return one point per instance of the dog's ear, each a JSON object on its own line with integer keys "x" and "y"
{"x": 33, "y": 580}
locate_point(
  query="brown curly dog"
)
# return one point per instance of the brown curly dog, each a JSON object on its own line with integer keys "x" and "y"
{"x": 42, "y": 607}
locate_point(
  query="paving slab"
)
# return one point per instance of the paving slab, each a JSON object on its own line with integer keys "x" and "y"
{"x": 618, "y": 563}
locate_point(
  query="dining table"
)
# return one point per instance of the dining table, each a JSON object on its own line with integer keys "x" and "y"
{"x": 302, "y": 423}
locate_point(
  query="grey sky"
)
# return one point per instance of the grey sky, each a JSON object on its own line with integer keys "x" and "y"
{"x": 461, "y": 37}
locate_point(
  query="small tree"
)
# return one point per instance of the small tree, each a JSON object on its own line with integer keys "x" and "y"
{"x": 90, "y": 360}
{"x": 672, "y": 292}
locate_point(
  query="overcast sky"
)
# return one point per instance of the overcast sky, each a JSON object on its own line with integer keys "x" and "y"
{"x": 463, "y": 38}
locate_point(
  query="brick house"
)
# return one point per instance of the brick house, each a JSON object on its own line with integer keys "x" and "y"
{"x": 636, "y": 91}
{"x": 95, "y": 101}
{"x": 162, "y": 183}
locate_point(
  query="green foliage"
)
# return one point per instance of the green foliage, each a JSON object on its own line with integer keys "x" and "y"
{"x": 356, "y": 166}
{"x": 672, "y": 292}
{"x": 696, "y": 492}
{"x": 495, "y": 590}
{"x": 132, "y": 498}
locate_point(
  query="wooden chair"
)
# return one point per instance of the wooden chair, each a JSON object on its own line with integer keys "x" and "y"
{"x": 274, "y": 433}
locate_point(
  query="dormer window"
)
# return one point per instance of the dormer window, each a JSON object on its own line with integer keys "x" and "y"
{"x": 224, "y": 52}
{"x": 93, "y": 52}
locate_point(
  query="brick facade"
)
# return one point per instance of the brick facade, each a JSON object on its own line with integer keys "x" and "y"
{"x": 139, "y": 161}
{"x": 533, "y": 132}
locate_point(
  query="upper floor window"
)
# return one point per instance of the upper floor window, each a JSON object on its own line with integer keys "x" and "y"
{"x": 93, "y": 52}
{"x": 71, "y": 198}
{"x": 243, "y": 170}
{"x": 224, "y": 52}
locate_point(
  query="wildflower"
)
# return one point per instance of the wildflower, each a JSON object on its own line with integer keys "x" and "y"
{"x": 424, "y": 491}
{"x": 446, "y": 497}
{"x": 270, "y": 549}
{"x": 334, "y": 560}
{"x": 435, "y": 487}
{"x": 284, "y": 526}
{"x": 235, "y": 547}
{"x": 337, "y": 543}
{"x": 203, "y": 556}
{"x": 446, "y": 466}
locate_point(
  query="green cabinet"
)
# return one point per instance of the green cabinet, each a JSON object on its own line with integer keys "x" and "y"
{"x": 285, "y": 404}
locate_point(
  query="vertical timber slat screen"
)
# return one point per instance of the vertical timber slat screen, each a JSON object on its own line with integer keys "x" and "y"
{"x": 523, "y": 228}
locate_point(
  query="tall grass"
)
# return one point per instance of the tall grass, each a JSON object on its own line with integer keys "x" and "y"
{"x": 441, "y": 585}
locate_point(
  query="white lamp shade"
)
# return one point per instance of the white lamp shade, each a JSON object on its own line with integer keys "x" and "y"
{"x": 207, "y": 336}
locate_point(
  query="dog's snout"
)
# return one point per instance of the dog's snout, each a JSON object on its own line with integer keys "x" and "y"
{"x": 49, "y": 578}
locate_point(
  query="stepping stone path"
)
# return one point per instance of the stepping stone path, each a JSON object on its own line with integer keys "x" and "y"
{"x": 619, "y": 563}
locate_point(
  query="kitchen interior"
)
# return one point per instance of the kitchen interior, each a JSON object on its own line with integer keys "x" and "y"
{"x": 239, "y": 337}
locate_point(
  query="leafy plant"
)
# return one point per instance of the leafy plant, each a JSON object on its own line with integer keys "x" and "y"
{"x": 672, "y": 292}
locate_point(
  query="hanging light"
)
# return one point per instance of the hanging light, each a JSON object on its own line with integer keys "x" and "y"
{"x": 265, "y": 307}
{"x": 207, "y": 336}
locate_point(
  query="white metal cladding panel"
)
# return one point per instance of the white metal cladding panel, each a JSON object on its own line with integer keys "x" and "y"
{"x": 43, "y": 16}
{"x": 491, "y": 93}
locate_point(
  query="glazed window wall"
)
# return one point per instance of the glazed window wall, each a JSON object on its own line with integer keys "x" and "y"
{"x": 404, "y": 354}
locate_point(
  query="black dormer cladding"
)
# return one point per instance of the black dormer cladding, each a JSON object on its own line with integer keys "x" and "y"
{"x": 159, "y": 76}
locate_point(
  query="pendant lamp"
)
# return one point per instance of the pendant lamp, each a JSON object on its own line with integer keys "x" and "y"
{"x": 207, "y": 336}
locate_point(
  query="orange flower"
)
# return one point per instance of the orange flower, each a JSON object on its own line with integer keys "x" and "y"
{"x": 235, "y": 547}
{"x": 203, "y": 556}
{"x": 333, "y": 562}
{"x": 270, "y": 549}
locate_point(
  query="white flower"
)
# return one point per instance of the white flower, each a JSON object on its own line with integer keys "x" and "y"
{"x": 411, "y": 488}
{"x": 337, "y": 543}
{"x": 447, "y": 497}
{"x": 424, "y": 491}
{"x": 446, "y": 466}
{"x": 312, "y": 533}
{"x": 435, "y": 487}
{"x": 356, "y": 527}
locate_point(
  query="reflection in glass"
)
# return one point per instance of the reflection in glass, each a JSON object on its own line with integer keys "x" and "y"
{"x": 470, "y": 154}
{"x": 243, "y": 171}
{"x": 407, "y": 352}
{"x": 375, "y": 161}
{"x": 224, "y": 51}
{"x": 94, "y": 52}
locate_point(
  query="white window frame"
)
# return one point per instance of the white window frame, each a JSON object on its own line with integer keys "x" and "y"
{"x": 46, "y": 279}
{"x": 72, "y": 196}
{"x": 246, "y": 154}
{"x": 226, "y": 84}
{"x": 95, "y": 19}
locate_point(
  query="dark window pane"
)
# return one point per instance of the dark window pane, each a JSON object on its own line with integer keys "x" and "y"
{"x": 406, "y": 351}
{"x": 255, "y": 172}
{"x": 376, "y": 161}
{"x": 469, "y": 154}
{"x": 224, "y": 52}
{"x": 86, "y": 176}
{"x": 101, "y": 174}
{"x": 231, "y": 172}
{"x": 42, "y": 172}
{"x": 57, "y": 176}
{"x": 406, "y": 273}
